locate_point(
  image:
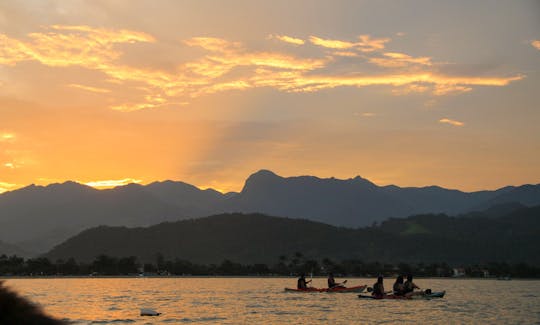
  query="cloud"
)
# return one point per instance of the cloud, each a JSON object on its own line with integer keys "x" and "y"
{"x": 69, "y": 46}
{"x": 332, "y": 44}
{"x": 288, "y": 39}
{"x": 445, "y": 89}
{"x": 112, "y": 182}
{"x": 368, "y": 44}
{"x": 536, "y": 44}
{"x": 88, "y": 88}
{"x": 228, "y": 65}
{"x": 451, "y": 122}
{"x": 4, "y": 186}
{"x": 365, "y": 43}
{"x": 399, "y": 60}
{"x": 7, "y": 136}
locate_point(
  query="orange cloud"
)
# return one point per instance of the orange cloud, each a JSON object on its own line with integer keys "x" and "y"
{"x": 451, "y": 122}
{"x": 88, "y": 88}
{"x": 288, "y": 39}
{"x": 368, "y": 44}
{"x": 228, "y": 65}
{"x": 70, "y": 45}
{"x": 399, "y": 60}
{"x": 332, "y": 44}
{"x": 365, "y": 43}
{"x": 536, "y": 44}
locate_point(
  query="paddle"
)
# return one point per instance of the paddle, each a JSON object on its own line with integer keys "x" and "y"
{"x": 342, "y": 284}
{"x": 338, "y": 285}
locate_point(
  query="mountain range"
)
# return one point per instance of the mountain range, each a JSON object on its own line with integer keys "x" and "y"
{"x": 36, "y": 218}
{"x": 512, "y": 237}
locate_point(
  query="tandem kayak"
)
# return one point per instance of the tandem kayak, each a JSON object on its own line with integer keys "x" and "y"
{"x": 335, "y": 289}
{"x": 436, "y": 294}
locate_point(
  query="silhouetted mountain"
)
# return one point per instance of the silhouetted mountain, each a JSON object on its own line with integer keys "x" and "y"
{"x": 358, "y": 202}
{"x": 256, "y": 238}
{"x": 38, "y": 217}
{"x": 351, "y": 202}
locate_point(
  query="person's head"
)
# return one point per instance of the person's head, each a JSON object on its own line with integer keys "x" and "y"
{"x": 409, "y": 277}
{"x": 380, "y": 279}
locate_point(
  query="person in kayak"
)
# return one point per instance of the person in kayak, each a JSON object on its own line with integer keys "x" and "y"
{"x": 409, "y": 286}
{"x": 332, "y": 282}
{"x": 399, "y": 287}
{"x": 378, "y": 288}
{"x": 302, "y": 283}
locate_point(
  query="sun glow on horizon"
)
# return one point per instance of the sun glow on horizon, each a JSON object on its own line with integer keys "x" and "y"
{"x": 112, "y": 183}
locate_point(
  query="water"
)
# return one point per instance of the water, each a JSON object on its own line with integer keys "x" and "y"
{"x": 263, "y": 301}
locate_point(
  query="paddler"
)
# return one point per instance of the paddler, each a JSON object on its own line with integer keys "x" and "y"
{"x": 332, "y": 282}
{"x": 399, "y": 287}
{"x": 409, "y": 287}
{"x": 378, "y": 288}
{"x": 302, "y": 283}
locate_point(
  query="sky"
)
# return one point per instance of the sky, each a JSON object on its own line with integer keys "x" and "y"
{"x": 411, "y": 93}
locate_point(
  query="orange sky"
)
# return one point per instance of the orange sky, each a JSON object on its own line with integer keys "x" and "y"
{"x": 108, "y": 93}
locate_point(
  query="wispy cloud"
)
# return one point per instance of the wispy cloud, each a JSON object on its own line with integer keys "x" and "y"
{"x": 88, "y": 88}
{"x": 451, "y": 122}
{"x": 288, "y": 39}
{"x": 365, "y": 43}
{"x": 331, "y": 43}
{"x": 112, "y": 182}
{"x": 536, "y": 44}
{"x": 228, "y": 65}
{"x": 399, "y": 60}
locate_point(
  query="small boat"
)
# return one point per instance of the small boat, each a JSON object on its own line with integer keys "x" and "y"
{"x": 435, "y": 294}
{"x": 356, "y": 289}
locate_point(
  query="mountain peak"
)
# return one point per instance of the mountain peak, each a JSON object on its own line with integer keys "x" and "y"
{"x": 263, "y": 177}
{"x": 264, "y": 173}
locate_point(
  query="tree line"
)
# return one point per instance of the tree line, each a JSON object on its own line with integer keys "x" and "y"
{"x": 285, "y": 266}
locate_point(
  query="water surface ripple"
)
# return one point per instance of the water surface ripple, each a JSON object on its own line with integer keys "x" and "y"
{"x": 263, "y": 301}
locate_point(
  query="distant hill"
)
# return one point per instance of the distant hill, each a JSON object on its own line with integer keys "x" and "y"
{"x": 255, "y": 238}
{"x": 38, "y": 217}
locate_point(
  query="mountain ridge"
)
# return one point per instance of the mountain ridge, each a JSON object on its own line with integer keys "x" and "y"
{"x": 36, "y": 217}
{"x": 257, "y": 238}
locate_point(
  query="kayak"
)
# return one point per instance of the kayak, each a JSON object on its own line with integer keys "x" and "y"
{"x": 437, "y": 294}
{"x": 335, "y": 289}
{"x": 382, "y": 297}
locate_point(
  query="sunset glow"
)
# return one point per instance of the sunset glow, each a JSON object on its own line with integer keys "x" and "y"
{"x": 92, "y": 93}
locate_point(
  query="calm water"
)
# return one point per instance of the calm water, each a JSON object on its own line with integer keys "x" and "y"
{"x": 263, "y": 301}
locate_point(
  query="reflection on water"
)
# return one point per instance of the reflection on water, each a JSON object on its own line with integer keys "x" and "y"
{"x": 263, "y": 301}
